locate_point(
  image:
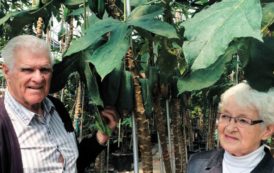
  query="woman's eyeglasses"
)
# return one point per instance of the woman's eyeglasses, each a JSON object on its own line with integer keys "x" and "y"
{"x": 241, "y": 121}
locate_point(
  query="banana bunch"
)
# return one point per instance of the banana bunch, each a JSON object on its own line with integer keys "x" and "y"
{"x": 98, "y": 7}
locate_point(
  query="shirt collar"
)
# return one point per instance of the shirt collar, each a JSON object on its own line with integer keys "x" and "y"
{"x": 23, "y": 113}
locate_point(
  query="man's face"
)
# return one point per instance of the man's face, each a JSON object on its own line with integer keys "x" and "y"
{"x": 29, "y": 78}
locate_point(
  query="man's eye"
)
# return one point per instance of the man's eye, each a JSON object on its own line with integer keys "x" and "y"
{"x": 27, "y": 70}
{"x": 45, "y": 70}
{"x": 243, "y": 121}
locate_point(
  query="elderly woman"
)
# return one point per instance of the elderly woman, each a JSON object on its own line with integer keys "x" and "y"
{"x": 245, "y": 120}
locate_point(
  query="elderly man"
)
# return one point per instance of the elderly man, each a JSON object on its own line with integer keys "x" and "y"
{"x": 36, "y": 133}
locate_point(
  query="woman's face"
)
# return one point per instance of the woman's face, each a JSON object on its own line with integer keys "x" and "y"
{"x": 240, "y": 140}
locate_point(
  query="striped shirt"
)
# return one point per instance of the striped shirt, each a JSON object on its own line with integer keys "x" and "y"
{"x": 46, "y": 147}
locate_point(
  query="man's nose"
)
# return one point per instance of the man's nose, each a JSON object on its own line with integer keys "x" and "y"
{"x": 38, "y": 76}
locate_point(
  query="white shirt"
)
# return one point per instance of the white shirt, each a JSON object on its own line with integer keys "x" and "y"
{"x": 242, "y": 164}
{"x": 46, "y": 146}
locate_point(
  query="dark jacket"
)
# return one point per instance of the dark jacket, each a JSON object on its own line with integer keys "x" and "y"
{"x": 211, "y": 162}
{"x": 10, "y": 154}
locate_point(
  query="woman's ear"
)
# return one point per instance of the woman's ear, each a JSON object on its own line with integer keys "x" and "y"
{"x": 268, "y": 131}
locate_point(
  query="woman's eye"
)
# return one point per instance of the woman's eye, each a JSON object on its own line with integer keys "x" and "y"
{"x": 243, "y": 121}
{"x": 225, "y": 117}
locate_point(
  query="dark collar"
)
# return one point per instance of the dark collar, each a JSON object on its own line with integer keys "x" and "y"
{"x": 266, "y": 165}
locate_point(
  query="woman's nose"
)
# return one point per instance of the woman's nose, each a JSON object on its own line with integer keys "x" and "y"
{"x": 232, "y": 125}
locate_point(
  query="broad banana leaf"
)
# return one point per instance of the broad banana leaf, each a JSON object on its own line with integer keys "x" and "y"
{"x": 206, "y": 77}
{"x": 210, "y": 31}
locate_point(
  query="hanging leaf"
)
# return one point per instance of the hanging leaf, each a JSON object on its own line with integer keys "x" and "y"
{"x": 88, "y": 76}
{"x": 145, "y": 17}
{"x": 206, "y": 77}
{"x": 259, "y": 71}
{"x": 110, "y": 55}
{"x": 210, "y": 31}
{"x": 126, "y": 93}
{"x": 62, "y": 70}
{"x": 93, "y": 34}
{"x": 110, "y": 87}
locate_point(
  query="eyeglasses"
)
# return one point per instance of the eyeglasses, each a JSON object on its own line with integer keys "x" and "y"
{"x": 241, "y": 121}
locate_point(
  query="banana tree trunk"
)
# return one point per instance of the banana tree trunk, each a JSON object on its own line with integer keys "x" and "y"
{"x": 144, "y": 138}
{"x": 179, "y": 149}
{"x": 161, "y": 129}
{"x": 143, "y": 129}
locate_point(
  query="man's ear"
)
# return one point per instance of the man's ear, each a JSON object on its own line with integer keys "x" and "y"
{"x": 6, "y": 71}
{"x": 268, "y": 131}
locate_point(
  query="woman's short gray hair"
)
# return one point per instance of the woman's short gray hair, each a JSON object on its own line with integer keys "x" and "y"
{"x": 30, "y": 42}
{"x": 246, "y": 96}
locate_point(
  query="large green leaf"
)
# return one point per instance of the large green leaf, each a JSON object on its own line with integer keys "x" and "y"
{"x": 210, "y": 31}
{"x": 93, "y": 34}
{"x": 202, "y": 78}
{"x": 206, "y": 77}
{"x": 110, "y": 55}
